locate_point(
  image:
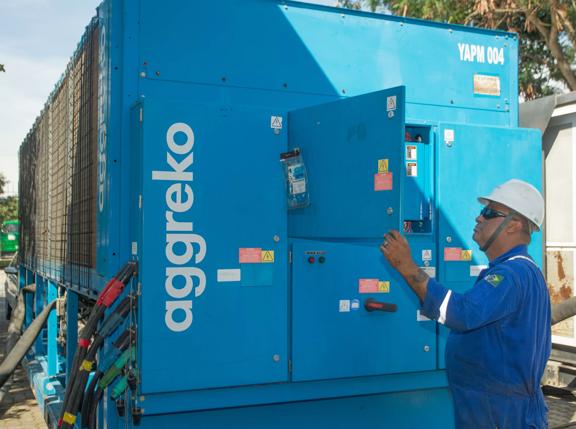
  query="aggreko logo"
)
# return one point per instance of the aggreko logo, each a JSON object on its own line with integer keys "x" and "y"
{"x": 184, "y": 249}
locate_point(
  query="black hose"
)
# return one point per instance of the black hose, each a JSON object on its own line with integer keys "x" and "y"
{"x": 19, "y": 350}
{"x": 15, "y": 330}
{"x": 563, "y": 310}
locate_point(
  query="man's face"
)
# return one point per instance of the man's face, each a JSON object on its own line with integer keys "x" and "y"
{"x": 485, "y": 227}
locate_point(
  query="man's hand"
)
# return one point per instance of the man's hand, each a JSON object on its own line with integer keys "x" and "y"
{"x": 396, "y": 250}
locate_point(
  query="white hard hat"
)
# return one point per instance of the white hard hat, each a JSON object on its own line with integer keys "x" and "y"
{"x": 521, "y": 197}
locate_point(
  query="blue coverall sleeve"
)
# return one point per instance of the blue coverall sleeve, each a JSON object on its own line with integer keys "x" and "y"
{"x": 492, "y": 298}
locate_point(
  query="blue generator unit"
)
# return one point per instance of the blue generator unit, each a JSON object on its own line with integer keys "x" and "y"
{"x": 203, "y": 197}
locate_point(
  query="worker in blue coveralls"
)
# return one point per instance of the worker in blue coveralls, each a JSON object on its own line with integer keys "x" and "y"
{"x": 500, "y": 329}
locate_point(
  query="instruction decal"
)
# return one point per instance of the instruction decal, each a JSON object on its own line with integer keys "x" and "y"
{"x": 276, "y": 122}
{"x": 411, "y": 169}
{"x": 475, "y": 270}
{"x": 452, "y": 253}
{"x": 267, "y": 255}
{"x": 411, "y": 153}
{"x": 368, "y": 285}
{"x": 429, "y": 271}
{"x": 384, "y": 287}
{"x": 448, "y": 135}
{"x": 466, "y": 255}
{"x": 344, "y": 306}
{"x": 383, "y": 182}
{"x": 355, "y": 304}
{"x": 250, "y": 255}
{"x": 427, "y": 254}
{"x": 228, "y": 275}
{"x": 487, "y": 85}
{"x": 382, "y": 166}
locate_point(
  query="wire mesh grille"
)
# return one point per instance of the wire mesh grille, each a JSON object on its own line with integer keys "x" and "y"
{"x": 58, "y": 174}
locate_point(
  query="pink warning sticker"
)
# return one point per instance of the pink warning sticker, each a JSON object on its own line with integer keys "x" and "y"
{"x": 250, "y": 255}
{"x": 452, "y": 253}
{"x": 383, "y": 181}
{"x": 367, "y": 285}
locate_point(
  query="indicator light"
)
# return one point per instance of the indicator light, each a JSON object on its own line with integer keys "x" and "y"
{"x": 311, "y": 259}
{"x": 321, "y": 259}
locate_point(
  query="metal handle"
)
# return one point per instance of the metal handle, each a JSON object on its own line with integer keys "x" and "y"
{"x": 372, "y": 305}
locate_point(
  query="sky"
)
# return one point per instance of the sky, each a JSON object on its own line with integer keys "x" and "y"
{"x": 37, "y": 39}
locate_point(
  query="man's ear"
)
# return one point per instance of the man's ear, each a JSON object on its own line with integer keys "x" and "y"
{"x": 515, "y": 225}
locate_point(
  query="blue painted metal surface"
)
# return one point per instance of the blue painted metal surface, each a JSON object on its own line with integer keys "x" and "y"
{"x": 235, "y": 326}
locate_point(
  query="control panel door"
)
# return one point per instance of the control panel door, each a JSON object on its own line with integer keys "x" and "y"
{"x": 213, "y": 247}
{"x": 353, "y": 316}
{"x": 352, "y": 150}
{"x": 471, "y": 161}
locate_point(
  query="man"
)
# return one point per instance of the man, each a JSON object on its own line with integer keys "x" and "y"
{"x": 500, "y": 329}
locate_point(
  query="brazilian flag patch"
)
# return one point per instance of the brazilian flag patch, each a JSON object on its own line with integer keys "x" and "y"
{"x": 494, "y": 279}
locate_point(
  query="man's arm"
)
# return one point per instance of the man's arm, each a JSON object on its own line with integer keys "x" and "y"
{"x": 397, "y": 252}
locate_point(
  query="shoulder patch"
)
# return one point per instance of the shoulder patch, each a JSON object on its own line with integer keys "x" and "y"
{"x": 494, "y": 279}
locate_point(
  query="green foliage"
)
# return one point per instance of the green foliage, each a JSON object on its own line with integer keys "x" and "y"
{"x": 8, "y": 208}
{"x": 545, "y": 28}
{"x": 2, "y": 69}
{"x": 3, "y": 183}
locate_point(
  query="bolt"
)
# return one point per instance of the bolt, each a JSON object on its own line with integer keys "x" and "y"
{"x": 448, "y": 239}
{"x": 426, "y": 263}
{"x": 157, "y": 73}
{"x": 449, "y": 144}
{"x": 276, "y": 358}
{"x": 426, "y": 348}
{"x": 390, "y": 211}
{"x": 142, "y": 74}
{"x": 276, "y": 238}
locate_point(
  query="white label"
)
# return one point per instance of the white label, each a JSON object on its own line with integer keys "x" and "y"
{"x": 427, "y": 254}
{"x": 391, "y": 103}
{"x": 344, "y": 306}
{"x": 420, "y": 317}
{"x": 134, "y": 248}
{"x": 276, "y": 122}
{"x": 355, "y": 304}
{"x": 430, "y": 271}
{"x": 411, "y": 153}
{"x": 228, "y": 275}
{"x": 411, "y": 169}
{"x": 448, "y": 136}
{"x": 475, "y": 270}
{"x": 298, "y": 187}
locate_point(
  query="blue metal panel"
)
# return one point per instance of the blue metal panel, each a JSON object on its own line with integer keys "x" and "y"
{"x": 329, "y": 51}
{"x": 343, "y": 144}
{"x": 333, "y": 334}
{"x": 52, "y": 326}
{"x": 431, "y": 409}
{"x": 476, "y": 161}
{"x": 237, "y": 333}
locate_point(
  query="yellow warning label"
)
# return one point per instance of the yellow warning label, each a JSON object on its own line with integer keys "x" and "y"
{"x": 382, "y": 166}
{"x": 69, "y": 418}
{"x": 384, "y": 287}
{"x": 267, "y": 255}
{"x": 466, "y": 255}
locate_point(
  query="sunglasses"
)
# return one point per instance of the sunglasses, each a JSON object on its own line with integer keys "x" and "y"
{"x": 489, "y": 213}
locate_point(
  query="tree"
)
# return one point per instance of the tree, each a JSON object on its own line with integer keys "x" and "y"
{"x": 546, "y": 29}
{"x": 3, "y": 183}
{"x": 8, "y": 208}
{"x": 2, "y": 69}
